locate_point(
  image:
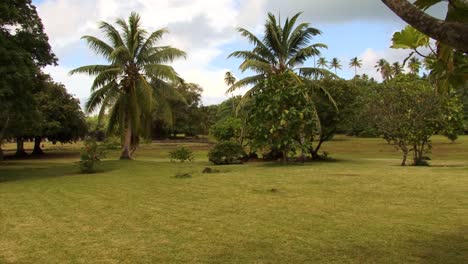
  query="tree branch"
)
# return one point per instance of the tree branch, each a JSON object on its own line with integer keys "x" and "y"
{"x": 453, "y": 34}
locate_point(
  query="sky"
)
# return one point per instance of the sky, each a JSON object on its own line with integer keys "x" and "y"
{"x": 206, "y": 30}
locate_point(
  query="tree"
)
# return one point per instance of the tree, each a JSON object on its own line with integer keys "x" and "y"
{"x": 414, "y": 65}
{"x": 230, "y": 80}
{"x": 407, "y": 112}
{"x": 335, "y": 64}
{"x": 322, "y": 63}
{"x": 356, "y": 63}
{"x": 384, "y": 68}
{"x": 448, "y": 68}
{"x": 287, "y": 114}
{"x": 125, "y": 87}
{"x": 283, "y": 48}
{"x": 24, "y": 49}
{"x": 397, "y": 69}
{"x": 452, "y": 33}
{"x": 60, "y": 116}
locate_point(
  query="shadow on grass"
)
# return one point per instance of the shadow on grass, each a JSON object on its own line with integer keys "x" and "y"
{"x": 45, "y": 171}
{"x": 444, "y": 248}
{"x": 277, "y": 164}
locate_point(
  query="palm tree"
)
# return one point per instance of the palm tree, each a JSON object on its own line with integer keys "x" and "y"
{"x": 397, "y": 69}
{"x": 126, "y": 85}
{"x": 356, "y": 63}
{"x": 384, "y": 68}
{"x": 230, "y": 80}
{"x": 322, "y": 63}
{"x": 335, "y": 64}
{"x": 283, "y": 48}
{"x": 414, "y": 65}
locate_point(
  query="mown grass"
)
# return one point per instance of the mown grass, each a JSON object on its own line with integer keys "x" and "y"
{"x": 362, "y": 208}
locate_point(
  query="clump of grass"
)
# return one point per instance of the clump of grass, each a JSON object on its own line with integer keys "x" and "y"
{"x": 183, "y": 176}
{"x": 210, "y": 170}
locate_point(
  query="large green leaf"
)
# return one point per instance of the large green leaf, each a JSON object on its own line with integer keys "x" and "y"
{"x": 409, "y": 38}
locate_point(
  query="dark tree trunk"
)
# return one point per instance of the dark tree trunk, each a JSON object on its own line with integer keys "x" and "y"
{"x": 1, "y": 152}
{"x": 37, "y": 151}
{"x": 20, "y": 152}
{"x": 453, "y": 34}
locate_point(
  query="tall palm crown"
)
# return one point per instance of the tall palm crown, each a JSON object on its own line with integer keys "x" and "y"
{"x": 335, "y": 64}
{"x": 282, "y": 48}
{"x": 356, "y": 63}
{"x": 414, "y": 65}
{"x": 126, "y": 86}
{"x": 384, "y": 68}
{"x": 229, "y": 78}
{"x": 322, "y": 63}
{"x": 397, "y": 68}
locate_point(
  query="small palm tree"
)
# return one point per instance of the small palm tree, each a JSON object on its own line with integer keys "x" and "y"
{"x": 356, "y": 63}
{"x": 230, "y": 80}
{"x": 322, "y": 63}
{"x": 397, "y": 69}
{"x": 283, "y": 48}
{"x": 335, "y": 64}
{"x": 126, "y": 86}
{"x": 414, "y": 65}
{"x": 384, "y": 68}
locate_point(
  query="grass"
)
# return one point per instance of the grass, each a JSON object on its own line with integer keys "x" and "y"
{"x": 363, "y": 208}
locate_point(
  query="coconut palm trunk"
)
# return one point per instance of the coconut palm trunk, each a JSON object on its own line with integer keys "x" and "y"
{"x": 127, "y": 143}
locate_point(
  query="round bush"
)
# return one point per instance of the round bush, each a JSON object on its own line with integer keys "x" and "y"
{"x": 226, "y": 152}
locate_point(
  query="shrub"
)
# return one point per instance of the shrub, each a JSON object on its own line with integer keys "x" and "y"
{"x": 181, "y": 154}
{"x": 90, "y": 154}
{"x": 226, "y": 152}
{"x": 227, "y": 129}
{"x": 112, "y": 143}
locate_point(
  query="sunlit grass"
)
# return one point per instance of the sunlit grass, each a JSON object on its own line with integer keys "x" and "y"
{"x": 363, "y": 208}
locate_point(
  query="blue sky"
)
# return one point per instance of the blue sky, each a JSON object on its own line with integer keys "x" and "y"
{"x": 205, "y": 29}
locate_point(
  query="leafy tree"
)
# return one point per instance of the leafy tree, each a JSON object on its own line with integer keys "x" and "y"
{"x": 287, "y": 115}
{"x": 227, "y": 129}
{"x": 61, "y": 118}
{"x": 335, "y": 64}
{"x": 355, "y": 63}
{"x": 126, "y": 86}
{"x": 186, "y": 112}
{"x": 407, "y": 112}
{"x": 24, "y": 48}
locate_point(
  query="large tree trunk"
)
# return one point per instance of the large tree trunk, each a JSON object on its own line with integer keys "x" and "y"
{"x": 453, "y": 34}
{"x": 20, "y": 152}
{"x": 127, "y": 144}
{"x": 37, "y": 151}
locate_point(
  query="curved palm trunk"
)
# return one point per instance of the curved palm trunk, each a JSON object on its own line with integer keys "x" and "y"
{"x": 127, "y": 144}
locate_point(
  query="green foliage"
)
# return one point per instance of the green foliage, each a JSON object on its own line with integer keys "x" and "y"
{"x": 409, "y": 38}
{"x": 24, "y": 49}
{"x": 284, "y": 47}
{"x": 90, "y": 155}
{"x": 126, "y": 86}
{"x": 61, "y": 118}
{"x": 226, "y": 152}
{"x": 227, "y": 129}
{"x": 181, "y": 154}
{"x": 282, "y": 115}
{"x": 407, "y": 112}
{"x": 112, "y": 143}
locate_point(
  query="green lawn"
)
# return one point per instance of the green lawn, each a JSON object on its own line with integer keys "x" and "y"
{"x": 363, "y": 208}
